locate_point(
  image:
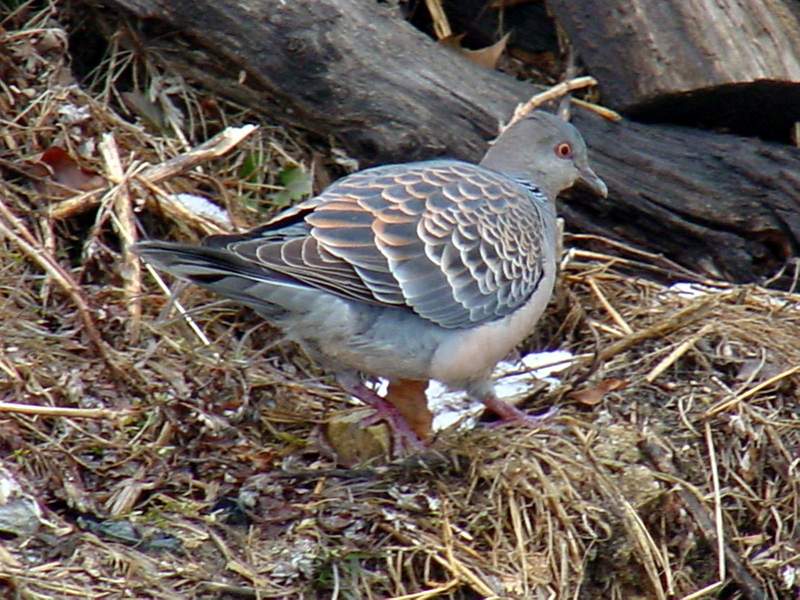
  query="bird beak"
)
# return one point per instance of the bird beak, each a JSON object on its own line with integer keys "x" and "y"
{"x": 592, "y": 181}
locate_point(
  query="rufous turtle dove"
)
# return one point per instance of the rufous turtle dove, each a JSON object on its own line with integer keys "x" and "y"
{"x": 411, "y": 272}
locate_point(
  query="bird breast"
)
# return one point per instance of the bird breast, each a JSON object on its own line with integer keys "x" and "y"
{"x": 469, "y": 355}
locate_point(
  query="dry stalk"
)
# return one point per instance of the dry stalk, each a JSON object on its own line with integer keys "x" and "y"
{"x": 9, "y": 369}
{"x": 676, "y": 354}
{"x": 12, "y": 228}
{"x": 218, "y": 146}
{"x": 675, "y": 321}
{"x": 655, "y": 451}
{"x": 606, "y": 113}
{"x": 613, "y": 313}
{"x": 125, "y": 222}
{"x": 546, "y": 96}
{"x": 436, "y": 592}
{"x": 59, "y": 411}
{"x": 440, "y": 23}
{"x": 739, "y": 398}
{"x": 454, "y": 565}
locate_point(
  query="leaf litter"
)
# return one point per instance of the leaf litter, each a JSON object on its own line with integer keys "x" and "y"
{"x": 151, "y": 451}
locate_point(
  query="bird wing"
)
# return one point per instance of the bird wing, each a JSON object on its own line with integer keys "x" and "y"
{"x": 456, "y": 243}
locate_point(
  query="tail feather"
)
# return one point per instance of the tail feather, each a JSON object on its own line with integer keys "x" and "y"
{"x": 221, "y": 271}
{"x": 198, "y": 264}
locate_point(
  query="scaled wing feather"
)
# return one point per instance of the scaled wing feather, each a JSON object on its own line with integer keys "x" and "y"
{"x": 456, "y": 243}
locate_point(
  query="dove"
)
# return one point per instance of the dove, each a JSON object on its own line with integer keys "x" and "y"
{"x": 410, "y": 272}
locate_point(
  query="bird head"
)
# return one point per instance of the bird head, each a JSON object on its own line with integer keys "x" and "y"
{"x": 547, "y": 151}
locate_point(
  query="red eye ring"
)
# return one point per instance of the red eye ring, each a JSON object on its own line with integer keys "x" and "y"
{"x": 563, "y": 150}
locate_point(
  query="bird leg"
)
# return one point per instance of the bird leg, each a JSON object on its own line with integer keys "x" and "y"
{"x": 404, "y": 435}
{"x": 512, "y": 415}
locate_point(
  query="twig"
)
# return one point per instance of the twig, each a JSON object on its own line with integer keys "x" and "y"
{"x": 436, "y": 592}
{"x": 604, "y": 112}
{"x": 179, "y": 212}
{"x": 650, "y": 557}
{"x": 650, "y": 259}
{"x": 125, "y": 222}
{"x": 9, "y": 369}
{"x": 457, "y": 569}
{"x": 12, "y": 228}
{"x": 455, "y": 566}
{"x": 712, "y": 458}
{"x": 441, "y": 25}
{"x": 676, "y": 321}
{"x": 564, "y": 107}
{"x": 552, "y": 93}
{"x": 223, "y": 589}
{"x": 726, "y": 404}
{"x": 615, "y": 316}
{"x": 178, "y": 306}
{"x": 673, "y": 356}
{"x": 60, "y": 411}
{"x": 217, "y": 146}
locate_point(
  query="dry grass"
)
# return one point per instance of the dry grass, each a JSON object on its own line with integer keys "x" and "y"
{"x": 191, "y": 467}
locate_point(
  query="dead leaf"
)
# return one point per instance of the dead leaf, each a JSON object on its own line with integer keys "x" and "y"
{"x": 594, "y": 395}
{"x": 758, "y": 370}
{"x": 151, "y": 113}
{"x": 452, "y": 41}
{"x": 485, "y": 57}
{"x": 57, "y": 166}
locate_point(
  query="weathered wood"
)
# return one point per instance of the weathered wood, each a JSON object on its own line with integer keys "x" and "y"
{"x": 355, "y": 71}
{"x": 725, "y": 205}
{"x": 350, "y": 68}
{"x": 685, "y": 58}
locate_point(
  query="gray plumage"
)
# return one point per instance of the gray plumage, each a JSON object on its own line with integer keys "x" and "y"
{"x": 426, "y": 270}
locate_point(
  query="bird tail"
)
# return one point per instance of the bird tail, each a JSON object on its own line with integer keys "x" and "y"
{"x": 221, "y": 271}
{"x": 198, "y": 264}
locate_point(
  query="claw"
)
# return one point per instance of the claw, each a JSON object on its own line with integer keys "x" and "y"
{"x": 511, "y": 415}
{"x": 404, "y": 437}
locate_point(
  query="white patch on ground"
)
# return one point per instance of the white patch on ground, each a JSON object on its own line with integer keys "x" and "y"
{"x": 687, "y": 289}
{"x": 690, "y": 290}
{"x": 72, "y": 115}
{"x": 203, "y": 207}
{"x": 511, "y": 379}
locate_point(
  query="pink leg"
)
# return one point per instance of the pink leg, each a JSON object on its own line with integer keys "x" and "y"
{"x": 404, "y": 437}
{"x": 512, "y": 415}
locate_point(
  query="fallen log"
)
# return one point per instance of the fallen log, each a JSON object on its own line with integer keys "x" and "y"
{"x": 725, "y": 63}
{"x": 720, "y": 204}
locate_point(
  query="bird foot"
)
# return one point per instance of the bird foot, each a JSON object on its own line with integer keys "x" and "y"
{"x": 404, "y": 438}
{"x": 511, "y": 415}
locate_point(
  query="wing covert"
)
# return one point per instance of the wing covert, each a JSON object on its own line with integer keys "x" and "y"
{"x": 456, "y": 243}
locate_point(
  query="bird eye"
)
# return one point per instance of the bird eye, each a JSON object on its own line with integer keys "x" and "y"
{"x": 563, "y": 150}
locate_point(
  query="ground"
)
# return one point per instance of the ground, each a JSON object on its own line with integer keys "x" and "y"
{"x": 148, "y": 454}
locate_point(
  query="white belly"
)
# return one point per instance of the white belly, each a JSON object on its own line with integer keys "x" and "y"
{"x": 472, "y": 354}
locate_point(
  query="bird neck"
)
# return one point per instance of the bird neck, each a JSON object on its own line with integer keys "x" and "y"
{"x": 519, "y": 168}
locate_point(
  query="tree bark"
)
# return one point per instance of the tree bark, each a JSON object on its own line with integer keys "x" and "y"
{"x": 641, "y": 50}
{"x": 351, "y": 68}
{"x": 354, "y": 70}
{"x": 722, "y": 204}
{"x": 731, "y": 63}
